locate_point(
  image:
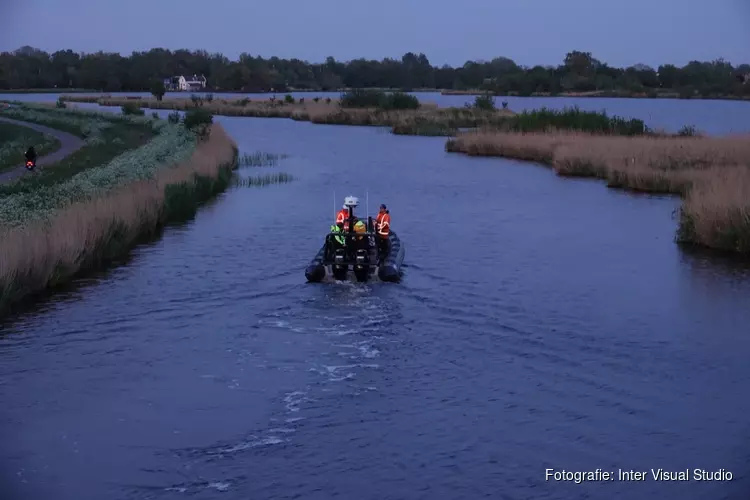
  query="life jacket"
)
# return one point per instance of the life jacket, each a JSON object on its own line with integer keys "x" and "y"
{"x": 343, "y": 218}
{"x": 384, "y": 224}
{"x": 340, "y": 238}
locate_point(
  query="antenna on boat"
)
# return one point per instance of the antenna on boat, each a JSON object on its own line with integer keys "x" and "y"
{"x": 367, "y": 198}
{"x": 335, "y": 212}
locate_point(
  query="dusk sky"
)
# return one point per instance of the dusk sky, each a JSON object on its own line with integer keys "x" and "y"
{"x": 528, "y": 31}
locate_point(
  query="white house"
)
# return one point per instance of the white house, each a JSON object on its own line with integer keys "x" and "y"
{"x": 185, "y": 83}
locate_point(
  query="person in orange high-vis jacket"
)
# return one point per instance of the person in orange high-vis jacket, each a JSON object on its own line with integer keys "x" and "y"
{"x": 342, "y": 217}
{"x": 383, "y": 227}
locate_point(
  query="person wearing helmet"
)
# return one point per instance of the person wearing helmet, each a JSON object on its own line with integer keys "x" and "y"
{"x": 342, "y": 217}
{"x": 361, "y": 240}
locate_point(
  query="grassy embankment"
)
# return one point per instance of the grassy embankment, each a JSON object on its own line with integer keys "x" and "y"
{"x": 712, "y": 174}
{"x": 54, "y": 228}
{"x": 402, "y": 112}
{"x": 16, "y": 139}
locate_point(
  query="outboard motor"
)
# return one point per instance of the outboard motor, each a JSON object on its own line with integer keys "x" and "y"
{"x": 30, "y": 164}
{"x": 339, "y": 267}
{"x": 362, "y": 265}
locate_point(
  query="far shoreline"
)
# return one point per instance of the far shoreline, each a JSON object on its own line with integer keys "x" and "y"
{"x": 613, "y": 94}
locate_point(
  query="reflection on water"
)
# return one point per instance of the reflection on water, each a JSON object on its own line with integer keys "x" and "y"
{"x": 541, "y": 323}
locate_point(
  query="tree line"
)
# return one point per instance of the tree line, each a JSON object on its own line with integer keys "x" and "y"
{"x": 30, "y": 68}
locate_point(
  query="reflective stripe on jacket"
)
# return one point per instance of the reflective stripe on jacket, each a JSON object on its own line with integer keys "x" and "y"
{"x": 340, "y": 239}
{"x": 384, "y": 224}
{"x": 343, "y": 218}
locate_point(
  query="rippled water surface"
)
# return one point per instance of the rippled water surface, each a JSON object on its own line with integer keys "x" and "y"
{"x": 541, "y": 323}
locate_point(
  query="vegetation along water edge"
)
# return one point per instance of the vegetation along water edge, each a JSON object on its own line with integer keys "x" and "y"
{"x": 56, "y": 226}
{"x": 626, "y": 152}
{"x": 712, "y": 174}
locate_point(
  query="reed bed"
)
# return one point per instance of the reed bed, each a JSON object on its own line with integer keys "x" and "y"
{"x": 86, "y": 234}
{"x": 328, "y": 112}
{"x": 264, "y": 180}
{"x": 711, "y": 173}
{"x": 260, "y": 159}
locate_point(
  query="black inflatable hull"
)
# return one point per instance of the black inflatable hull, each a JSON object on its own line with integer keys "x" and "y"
{"x": 388, "y": 270}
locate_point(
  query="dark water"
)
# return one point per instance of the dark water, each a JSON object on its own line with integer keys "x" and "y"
{"x": 542, "y": 323}
{"x": 709, "y": 116}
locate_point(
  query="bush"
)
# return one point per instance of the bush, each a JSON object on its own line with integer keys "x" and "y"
{"x": 399, "y": 100}
{"x": 289, "y": 99}
{"x": 132, "y": 108}
{"x": 688, "y": 131}
{"x": 328, "y": 100}
{"x": 302, "y": 100}
{"x": 573, "y": 119}
{"x": 60, "y": 104}
{"x": 316, "y": 99}
{"x": 155, "y": 115}
{"x": 366, "y": 98}
{"x": 174, "y": 117}
{"x": 197, "y": 100}
{"x": 484, "y": 102}
{"x": 198, "y": 121}
{"x": 209, "y": 98}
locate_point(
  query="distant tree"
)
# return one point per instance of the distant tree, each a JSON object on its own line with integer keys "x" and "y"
{"x": 158, "y": 90}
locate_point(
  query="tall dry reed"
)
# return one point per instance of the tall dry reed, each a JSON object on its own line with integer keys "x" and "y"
{"x": 88, "y": 234}
{"x": 321, "y": 112}
{"x": 713, "y": 173}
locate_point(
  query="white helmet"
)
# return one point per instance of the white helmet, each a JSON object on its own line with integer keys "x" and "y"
{"x": 350, "y": 201}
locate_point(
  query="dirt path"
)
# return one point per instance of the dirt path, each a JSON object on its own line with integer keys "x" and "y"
{"x": 69, "y": 144}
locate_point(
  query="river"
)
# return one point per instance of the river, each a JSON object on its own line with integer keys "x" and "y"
{"x": 541, "y": 323}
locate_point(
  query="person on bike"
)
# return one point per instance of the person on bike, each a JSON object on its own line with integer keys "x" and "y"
{"x": 31, "y": 154}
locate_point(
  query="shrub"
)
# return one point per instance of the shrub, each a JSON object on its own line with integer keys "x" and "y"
{"x": 155, "y": 115}
{"x": 209, "y": 98}
{"x": 544, "y": 119}
{"x": 367, "y": 98}
{"x": 289, "y": 99}
{"x": 688, "y": 131}
{"x": 328, "y": 100}
{"x": 174, "y": 117}
{"x": 399, "y": 100}
{"x": 198, "y": 120}
{"x": 132, "y": 108}
{"x": 60, "y": 104}
{"x": 197, "y": 100}
{"x": 484, "y": 102}
{"x": 302, "y": 100}
{"x": 316, "y": 99}
{"x": 361, "y": 98}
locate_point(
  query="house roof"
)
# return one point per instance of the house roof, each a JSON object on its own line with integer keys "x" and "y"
{"x": 194, "y": 78}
